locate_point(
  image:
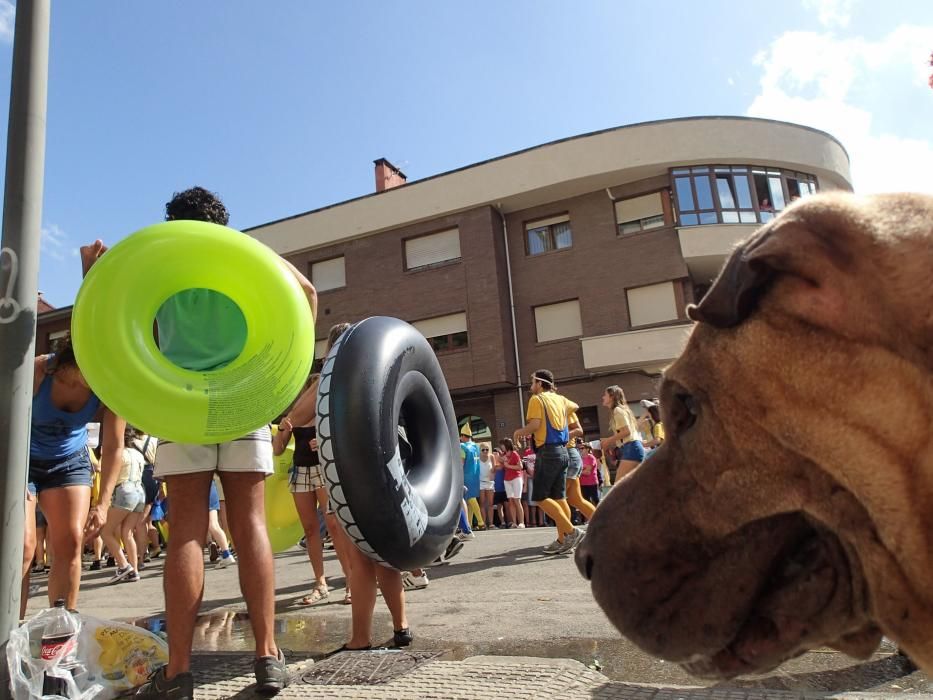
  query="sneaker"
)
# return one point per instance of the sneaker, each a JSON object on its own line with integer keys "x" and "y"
{"x": 158, "y": 687}
{"x": 121, "y": 573}
{"x": 132, "y": 578}
{"x": 402, "y": 637}
{"x": 553, "y": 548}
{"x": 303, "y": 543}
{"x": 410, "y": 582}
{"x": 214, "y": 552}
{"x": 271, "y": 674}
{"x": 453, "y": 549}
{"x": 521, "y": 526}
{"x": 466, "y": 536}
{"x": 95, "y": 565}
{"x": 571, "y": 540}
{"x": 224, "y": 562}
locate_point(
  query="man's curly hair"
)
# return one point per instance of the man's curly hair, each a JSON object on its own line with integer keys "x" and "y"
{"x": 196, "y": 204}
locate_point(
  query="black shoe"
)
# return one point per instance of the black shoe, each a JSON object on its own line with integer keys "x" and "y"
{"x": 111, "y": 562}
{"x": 402, "y": 637}
{"x": 271, "y": 674}
{"x": 95, "y": 565}
{"x": 158, "y": 687}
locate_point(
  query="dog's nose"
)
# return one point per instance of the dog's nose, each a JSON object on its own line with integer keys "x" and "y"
{"x": 584, "y": 560}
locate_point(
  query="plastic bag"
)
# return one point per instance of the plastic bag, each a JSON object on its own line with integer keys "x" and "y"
{"x": 109, "y": 658}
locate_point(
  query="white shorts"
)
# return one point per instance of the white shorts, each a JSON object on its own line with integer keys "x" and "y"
{"x": 487, "y": 486}
{"x": 513, "y": 488}
{"x": 250, "y": 453}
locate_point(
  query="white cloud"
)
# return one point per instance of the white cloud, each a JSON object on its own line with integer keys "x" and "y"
{"x": 831, "y": 13}
{"x": 54, "y": 242}
{"x": 840, "y": 85}
{"x": 7, "y": 20}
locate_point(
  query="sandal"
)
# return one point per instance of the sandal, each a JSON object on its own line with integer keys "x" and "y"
{"x": 347, "y": 599}
{"x": 317, "y": 594}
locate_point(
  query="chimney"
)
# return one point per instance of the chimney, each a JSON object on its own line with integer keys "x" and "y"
{"x": 388, "y": 176}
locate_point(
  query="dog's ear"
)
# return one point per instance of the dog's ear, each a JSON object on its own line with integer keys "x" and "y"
{"x": 807, "y": 244}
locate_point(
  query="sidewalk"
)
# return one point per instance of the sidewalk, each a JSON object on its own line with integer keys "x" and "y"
{"x": 478, "y": 678}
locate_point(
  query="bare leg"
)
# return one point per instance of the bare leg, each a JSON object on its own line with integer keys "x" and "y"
{"x": 66, "y": 511}
{"x": 141, "y": 535}
{"x": 224, "y": 523}
{"x": 215, "y": 532}
{"x": 342, "y": 546}
{"x": 184, "y": 565}
{"x": 393, "y": 593}
{"x": 306, "y": 504}
{"x": 625, "y": 466}
{"x": 245, "y": 497}
{"x": 29, "y": 548}
{"x": 41, "y": 535}
{"x": 127, "y": 534}
{"x": 111, "y": 535}
{"x": 363, "y": 578}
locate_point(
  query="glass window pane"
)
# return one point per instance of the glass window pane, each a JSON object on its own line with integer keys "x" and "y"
{"x": 731, "y": 217}
{"x": 709, "y": 217}
{"x": 766, "y": 216}
{"x": 741, "y": 189}
{"x": 562, "y": 235}
{"x": 704, "y": 193}
{"x": 630, "y": 227}
{"x": 699, "y": 170}
{"x": 684, "y": 194}
{"x": 748, "y": 217}
{"x": 537, "y": 241}
{"x": 688, "y": 220}
{"x": 722, "y": 169}
{"x": 459, "y": 340}
{"x": 777, "y": 193}
{"x": 740, "y": 170}
{"x": 680, "y": 171}
{"x": 724, "y": 187}
{"x": 653, "y": 222}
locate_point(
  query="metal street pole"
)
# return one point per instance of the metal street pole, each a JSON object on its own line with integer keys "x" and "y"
{"x": 19, "y": 272}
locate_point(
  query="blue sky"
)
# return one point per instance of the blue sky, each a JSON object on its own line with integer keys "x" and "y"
{"x": 281, "y": 107}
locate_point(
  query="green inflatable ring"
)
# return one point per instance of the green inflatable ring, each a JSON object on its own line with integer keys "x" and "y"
{"x": 112, "y": 324}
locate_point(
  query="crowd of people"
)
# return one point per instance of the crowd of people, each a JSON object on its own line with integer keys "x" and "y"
{"x": 117, "y": 490}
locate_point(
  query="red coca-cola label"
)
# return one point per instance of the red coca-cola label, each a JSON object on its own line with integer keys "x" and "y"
{"x": 57, "y": 647}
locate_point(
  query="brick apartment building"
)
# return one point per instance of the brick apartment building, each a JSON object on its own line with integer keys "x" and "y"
{"x": 579, "y": 255}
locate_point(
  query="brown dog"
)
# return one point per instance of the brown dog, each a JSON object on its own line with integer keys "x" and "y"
{"x": 792, "y": 504}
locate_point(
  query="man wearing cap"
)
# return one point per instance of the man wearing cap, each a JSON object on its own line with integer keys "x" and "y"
{"x": 548, "y": 417}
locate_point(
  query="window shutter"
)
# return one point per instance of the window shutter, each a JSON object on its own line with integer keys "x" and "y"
{"x": 329, "y": 274}
{"x": 442, "y": 325}
{"x": 654, "y": 303}
{"x": 556, "y": 321}
{"x": 638, "y": 208}
{"x": 428, "y": 250}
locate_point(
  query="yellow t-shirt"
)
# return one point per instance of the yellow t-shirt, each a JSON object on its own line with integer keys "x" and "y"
{"x": 624, "y": 418}
{"x": 572, "y": 418}
{"x": 658, "y": 431}
{"x": 558, "y": 408}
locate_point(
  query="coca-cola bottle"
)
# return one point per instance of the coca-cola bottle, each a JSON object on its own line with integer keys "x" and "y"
{"x": 59, "y": 644}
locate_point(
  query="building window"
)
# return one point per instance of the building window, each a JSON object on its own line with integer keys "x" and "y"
{"x": 320, "y": 352}
{"x": 639, "y": 213}
{"x": 654, "y": 303}
{"x": 445, "y": 333}
{"x": 557, "y": 321}
{"x": 545, "y": 235}
{"x": 329, "y": 274}
{"x": 736, "y": 194}
{"x": 435, "y": 248}
{"x": 54, "y": 338}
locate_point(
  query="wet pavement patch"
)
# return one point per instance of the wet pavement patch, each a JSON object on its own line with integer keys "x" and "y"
{"x": 367, "y": 667}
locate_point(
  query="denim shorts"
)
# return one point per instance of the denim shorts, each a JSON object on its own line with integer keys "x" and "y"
{"x": 550, "y": 473}
{"x": 633, "y": 451}
{"x": 576, "y": 463}
{"x": 213, "y": 499}
{"x": 73, "y": 470}
{"x": 130, "y": 496}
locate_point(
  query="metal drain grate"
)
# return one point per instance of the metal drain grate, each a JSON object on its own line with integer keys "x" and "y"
{"x": 367, "y": 667}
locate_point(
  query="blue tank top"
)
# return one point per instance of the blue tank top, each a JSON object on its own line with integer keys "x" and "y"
{"x": 57, "y": 433}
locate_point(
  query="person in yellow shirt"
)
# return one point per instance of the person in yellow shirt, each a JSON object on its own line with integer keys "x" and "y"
{"x": 651, "y": 425}
{"x": 625, "y": 439}
{"x": 548, "y": 417}
{"x": 574, "y": 492}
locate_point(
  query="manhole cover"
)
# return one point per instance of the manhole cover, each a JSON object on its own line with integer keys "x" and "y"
{"x": 367, "y": 667}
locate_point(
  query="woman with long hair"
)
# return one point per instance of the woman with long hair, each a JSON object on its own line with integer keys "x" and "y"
{"x": 307, "y": 484}
{"x": 625, "y": 440}
{"x": 60, "y": 468}
{"x": 126, "y": 510}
